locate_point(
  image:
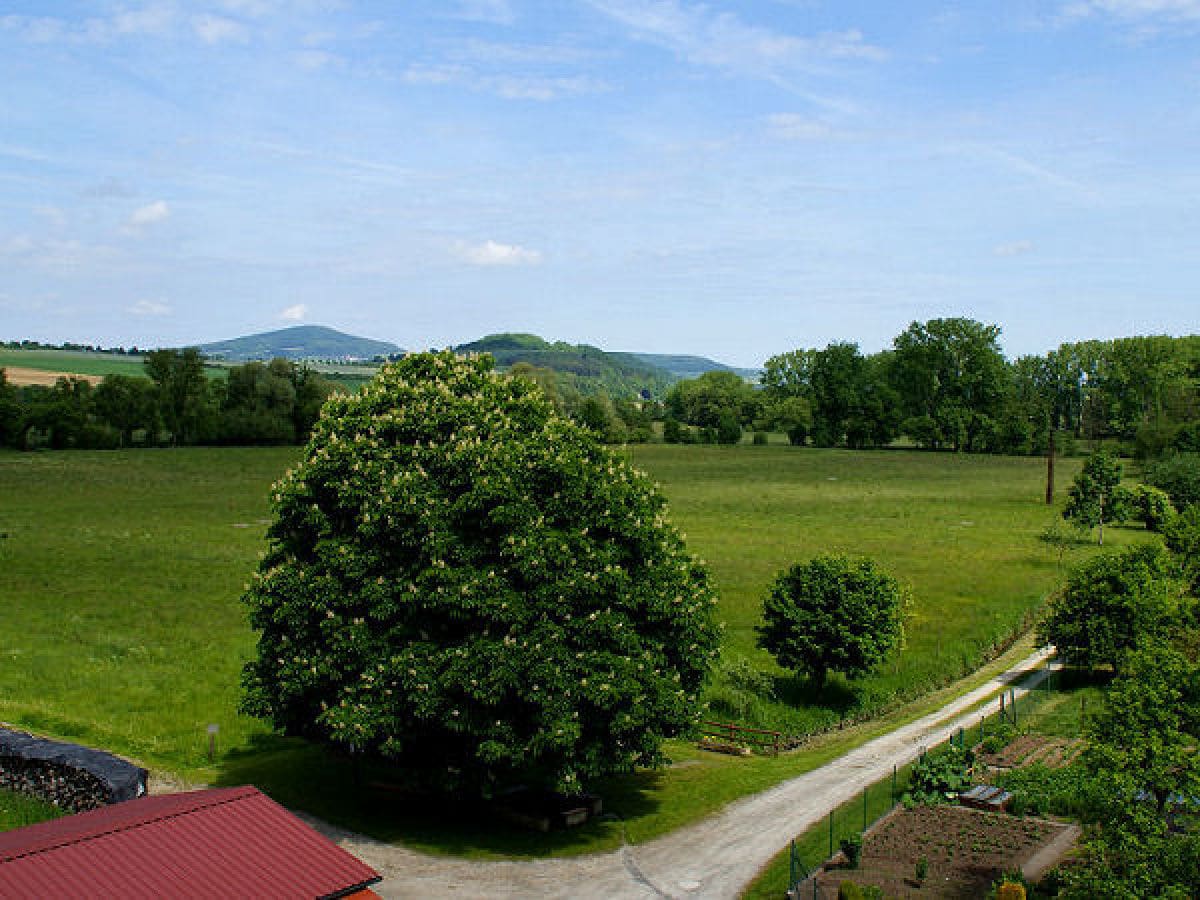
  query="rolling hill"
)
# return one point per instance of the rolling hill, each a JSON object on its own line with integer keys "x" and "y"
{"x": 299, "y": 342}
{"x": 587, "y": 369}
{"x": 683, "y": 366}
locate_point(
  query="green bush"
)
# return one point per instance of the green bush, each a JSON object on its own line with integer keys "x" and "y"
{"x": 1179, "y": 476}
{"x": 760, "y": 438}
{"x": 848, "y": 890}
{"x": 938, "y": 774}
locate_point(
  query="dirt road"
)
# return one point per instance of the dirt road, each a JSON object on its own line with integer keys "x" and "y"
{"x": 715, "y": 858}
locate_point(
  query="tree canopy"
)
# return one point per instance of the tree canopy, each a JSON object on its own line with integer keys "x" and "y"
{"x": 832, "y": 614}
{"x": 466, "y": 583}
{"x": 1110, "y": 604}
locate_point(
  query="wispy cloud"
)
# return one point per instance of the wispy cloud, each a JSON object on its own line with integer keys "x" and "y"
{"x": 1015, "y": 248}
{"x": 150, "y": 214}
{"x": 497, "y": 12}
{"x": 508, "y": 87}
{"x": 703, "y": 36}
{"x": 217, "y": 29}
{"x": 1136, "y": 10}
{"x": 796, "y": 127}
{"x": 493, "y": 253}
{"x": 294, "y": 313}
{"x": 156, "y": 19}
{"x": 149, "y": 308}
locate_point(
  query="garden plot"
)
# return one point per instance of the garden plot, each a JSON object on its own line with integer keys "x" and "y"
{"x": 965, "y": 850}
{"x": 1030, "y": 749}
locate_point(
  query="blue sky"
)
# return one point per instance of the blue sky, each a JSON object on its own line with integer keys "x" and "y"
{"x": 729, "y": 179}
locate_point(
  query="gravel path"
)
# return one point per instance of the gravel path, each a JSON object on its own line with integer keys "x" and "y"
{"x": 715, "y": 858}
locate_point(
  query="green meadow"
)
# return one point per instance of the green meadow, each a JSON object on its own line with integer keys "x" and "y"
{"x": 77, "y": 362}
{"x": 121, "y": 573}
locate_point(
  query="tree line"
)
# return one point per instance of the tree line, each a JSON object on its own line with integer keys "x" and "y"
{"x": 175, "y": 403}
{"x": 945, "y": 384}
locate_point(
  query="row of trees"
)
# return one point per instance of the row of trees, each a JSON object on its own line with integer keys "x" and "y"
{"x": 1135, "y": 611}
{"x": 945, "y": 384}
{"x": 176, "y": 403}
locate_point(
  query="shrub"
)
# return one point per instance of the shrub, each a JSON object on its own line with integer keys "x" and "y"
{"x": 760, "y": 438}
{"x": 921, "y": 870}
{"x": 1109, "y": 604}
{"x": 463, "y": 582}
{"x": 848, "y": 890}
{"x": 937, "y": 775}
{"x": 1179, "y": 476}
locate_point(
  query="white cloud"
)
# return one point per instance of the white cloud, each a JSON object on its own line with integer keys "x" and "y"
{"x": 149, "y": 308}
{"x": 497, "y": 12}
{"x": 1016, "y": 248}
{"x": 151, "y": 213}
{"x": 294, "y": 313}
{"x": 1135, "y": 10}
{"x": 493, "y": 253}
{"x": 507, "y": 87}
{"x": 794, "y": 127}
{"x": 721, "y": 39}
{"x": 215, "y": 29}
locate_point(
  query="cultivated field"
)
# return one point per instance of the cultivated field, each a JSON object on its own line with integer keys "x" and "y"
{"x": 121, "y": 573}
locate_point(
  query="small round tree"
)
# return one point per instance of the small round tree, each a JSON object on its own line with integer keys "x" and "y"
{"x": 832, "y": 614}
{"x": 464, "y": 582}
{"x": 1091, "y": 499}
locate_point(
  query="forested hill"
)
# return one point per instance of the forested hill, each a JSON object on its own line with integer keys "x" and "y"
{"x": 682, "y": 366}
{"x": 299, "y": 342}
{"x": 587, "y": 369}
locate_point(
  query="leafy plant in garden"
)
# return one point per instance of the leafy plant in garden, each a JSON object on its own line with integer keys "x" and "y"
{"x": 832, "y": 614}
{"x": 937, "y": 775}
{"x": 1110, "y": 603}
{"x": 464, "y": 582}
{"x": 1090, "y": 500}
{"x": 1146, "y": 504}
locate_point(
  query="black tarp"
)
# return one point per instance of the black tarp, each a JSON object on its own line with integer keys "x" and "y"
{"x": 121, "y": 780}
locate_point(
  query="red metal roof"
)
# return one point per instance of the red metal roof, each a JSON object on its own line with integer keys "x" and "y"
{"x": 229, "y": 842}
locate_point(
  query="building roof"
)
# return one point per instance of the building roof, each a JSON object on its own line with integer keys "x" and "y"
{"x": 228, "y": 842}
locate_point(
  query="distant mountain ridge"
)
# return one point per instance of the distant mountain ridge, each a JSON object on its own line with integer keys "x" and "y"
{"x": 300, "y": 342}
{"x": 684, "y": 366}
{"x": 588, "y": 369}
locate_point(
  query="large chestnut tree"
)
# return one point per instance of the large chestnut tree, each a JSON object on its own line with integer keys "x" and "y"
{"x": 462, "y": 581}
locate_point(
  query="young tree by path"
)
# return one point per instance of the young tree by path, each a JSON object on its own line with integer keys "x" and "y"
{"x": 1090, "y": 498}
{"x": 832, "y": 614}
{"x": 466, "y": 583}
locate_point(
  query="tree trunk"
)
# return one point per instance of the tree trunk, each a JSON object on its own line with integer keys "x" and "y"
{"x": 1050, "y": 468}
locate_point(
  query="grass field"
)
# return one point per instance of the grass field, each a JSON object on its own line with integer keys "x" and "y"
{"x": 73, "y": 361}
{"x": 121, "y": 573}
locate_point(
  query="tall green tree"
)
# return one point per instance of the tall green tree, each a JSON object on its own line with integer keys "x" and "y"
{"x": 463, "y": 582}
{"x": 703, "y": 401}
{"x": 128, "y": 404}
{"x": 832, "y": 614}
{"x": 952, "y": 379}
{"x": 184, "y": 398}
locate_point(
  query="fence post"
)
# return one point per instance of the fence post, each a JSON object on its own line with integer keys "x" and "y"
{"x": 831, "y": 832}
{"x": 792, "y": 866}
{"x": 1014, "y": 705}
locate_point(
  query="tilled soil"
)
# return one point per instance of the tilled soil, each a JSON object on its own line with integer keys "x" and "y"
{"x": 965, "y": 849}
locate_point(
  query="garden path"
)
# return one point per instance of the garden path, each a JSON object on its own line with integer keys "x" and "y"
{"x": 714, "y": 858}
